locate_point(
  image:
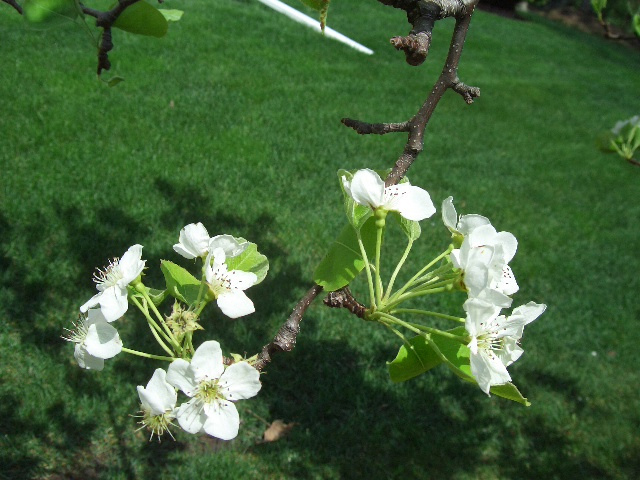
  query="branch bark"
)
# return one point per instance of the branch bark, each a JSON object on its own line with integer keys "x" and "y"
{"x": 14, "y": 4}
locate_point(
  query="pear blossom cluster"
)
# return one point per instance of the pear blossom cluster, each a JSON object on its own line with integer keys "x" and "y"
{"x": 483, "y": 258}
{"x": 210, "y": 387}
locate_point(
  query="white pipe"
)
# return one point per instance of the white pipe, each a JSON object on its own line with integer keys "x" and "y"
{"x": 294, "y": 14}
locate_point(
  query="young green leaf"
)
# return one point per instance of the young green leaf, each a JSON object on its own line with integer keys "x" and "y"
{"x": 180, "y": 283}
{"x": 37, "y": 11}
{"x": 344, "y": 260}
{"x": 321, "y": 6}
{"x": 413, "y": 360}
{"x": 250, "y": 261}
{"x": 142, "y": 19}
{"x": 171, "y": 15}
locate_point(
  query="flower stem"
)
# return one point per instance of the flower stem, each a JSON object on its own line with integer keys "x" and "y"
{"x": 368, "y": 269}
{"x": 171, "y": 339}
{"x": 429, "y": 313}
{"x": 147, "y": 355}
{"x": 420, "y": 329}
{"x": 397, "y": 270}
{"x": 422, "y": 271}
{"x": 155, "y": 328}
{"x": 380, "y": 222}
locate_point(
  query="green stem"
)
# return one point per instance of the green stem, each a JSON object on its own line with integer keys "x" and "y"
{"x": 429, "y": 313}
{"x": 434, "y": 283}
{"x": 147, "y": 355}
{"x": 422, "y": 270}
{"x": 421, "y": 329}
{"x": 397, "y": 270}
{"x": 203, "y": 282}
{"x": 398, "y": 300}
{"x": 155, "y": 328}
{"x": 379, "y": 232}
{"x": 171, "y": 339}
{"x": 368, "y": 269}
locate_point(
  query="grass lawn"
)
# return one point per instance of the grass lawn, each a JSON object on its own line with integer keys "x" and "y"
{"x": 233, "y": 120}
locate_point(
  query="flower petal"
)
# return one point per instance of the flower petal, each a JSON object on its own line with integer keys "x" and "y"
{"x": 228, "y": 243}
{"x": 86, "y": 360}
{"x": 207, "y": 361}
{"x": 449, "y": 214}
{"x": 191, "y": 416}
{"x": 241, "y": 280}
{"x": 240, "y": 381}
{"x": 488, "y": 370}
{"x": 468, "y": 223}
{"x": 131, "y": 265}
{"x": 235, "y": 304}
{"x": 180, "y": 375}
{"x": 113, "y": 303}
{"x": 223, "y": 421}
{"x": 413, "y": 203}
{"x": 510, "y": 351}
{"x": 158, "y": 396}
{"x": 102, "y": 340}
{"x": 193, "y": 241}
{"x": 367, "y": 188}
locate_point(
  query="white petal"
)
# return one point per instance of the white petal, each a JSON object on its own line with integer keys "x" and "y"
{"x": 158, "y": 396}
{"x": 482, "y": 235}
{"x": 241, "y": 280}
{"x": 449, "y": 214}
{"x": 529, "y": 312}
{"x": 102, "y": 340}
{"x": 92, "y": 302}
{"x": 222, "y": 421}
{"x": 413, "y": 203}
{"x": 235, "y": 304}
{"x": 240, "y": 381}
{"x": 131, "y": 265}
{"x": 231, "y": 247}
{"x": 180, "y": 375}
{"x": 479, "y": 315}
{"x": 510, "y": 352}
{"x": 86, "y": 360}
{"x": 468, "y": 223}
{"x": 113, "y": 303}
{"x": 509, "y": 244}
{"x": 191, "y": 416}
{"x": 494, "y": 297}
{"x": 367, "y": 188}
{"x": 193, "y": 241}
{"x": 488, "y": 370}
{"x": 207, "y": 361}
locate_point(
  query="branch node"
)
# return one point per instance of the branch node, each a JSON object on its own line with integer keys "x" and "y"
{"x": 364, "y": 128}
{"x": 344, "y": 299}
{"x": 468, "y": 93}
{"x": 415, "y": 46}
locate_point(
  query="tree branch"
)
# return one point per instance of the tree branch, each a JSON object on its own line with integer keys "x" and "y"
{"x": 364, "y": 128}
{"x": 14, "y": 4}
{"x": 344, "y": 299}
{"x": 285, "y": 339}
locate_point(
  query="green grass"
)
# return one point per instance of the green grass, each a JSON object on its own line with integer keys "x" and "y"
{"x": 233, "y": 120}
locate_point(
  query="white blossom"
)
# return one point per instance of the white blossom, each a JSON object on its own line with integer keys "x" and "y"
{"x": 633, "y": 121}
{"x": 462, "y": 225}
{"x": 112, "y": 284}
{"x": 95, "y": 340}
{"x": 158, "y": 403}
{"x": 194, "y": 241}
{"x": 228, "y": 286}
{"x": 494, "y": 339}
{"x": 367, "y": 188}
{"x": 212, "y": 389}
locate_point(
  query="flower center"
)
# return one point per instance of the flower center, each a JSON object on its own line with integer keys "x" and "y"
{"x": 157, "y": 424}
{"x": 208, "y": 391}
{"x": 109, "y": 276}
{"x": 220, "y": 283}
{"x": 79, "y": 332}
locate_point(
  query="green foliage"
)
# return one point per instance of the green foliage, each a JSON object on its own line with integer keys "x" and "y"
{"x": 250, "y": 261}
{"x": 142, "y": 19}
{"x": 180, "y": 283}
{"x": 321, "y": 6}
{"x": 171, "y": 15}
{"x": 344, "y": 260}
{"x": 49, "y": 10}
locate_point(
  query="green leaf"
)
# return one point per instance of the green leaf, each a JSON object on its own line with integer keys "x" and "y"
{"x": 635, "y": 22}
{"x": 413, "y": 360}
{"x": 411, "y": 228}
{"x": 598, "y": 7}
{"x": 510, "y": 392}
{"x": 180, "y": 283}
{"x": 171, "y": 15}
{"x": 604, "y": 141}
{"x": 37, "y": 11}
{"x": 321, "y": 6}
{"x": 344, "y": 261}
{"x": 113, "y": 81}
{"x": 250, "y": 261}
{"x": 142, "y": 19}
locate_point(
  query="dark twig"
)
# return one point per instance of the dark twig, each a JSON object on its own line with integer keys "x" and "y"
{"x": 285, "y": 339}
{"x": 344, "y": 299}
{"x": 364, "y": 128}
{"x": 15, "y": 5}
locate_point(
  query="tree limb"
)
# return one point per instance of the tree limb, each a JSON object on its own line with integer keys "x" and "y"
{"x": 15, "y": 5}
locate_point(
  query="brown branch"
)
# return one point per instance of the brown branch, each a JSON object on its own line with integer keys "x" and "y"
{"x": 14, "y": 4}
{"x": 364, "y": 128}
{"x": 344, "y": 299}
{"x": 633, "y": 161}
{"x": 285, "y": 339}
